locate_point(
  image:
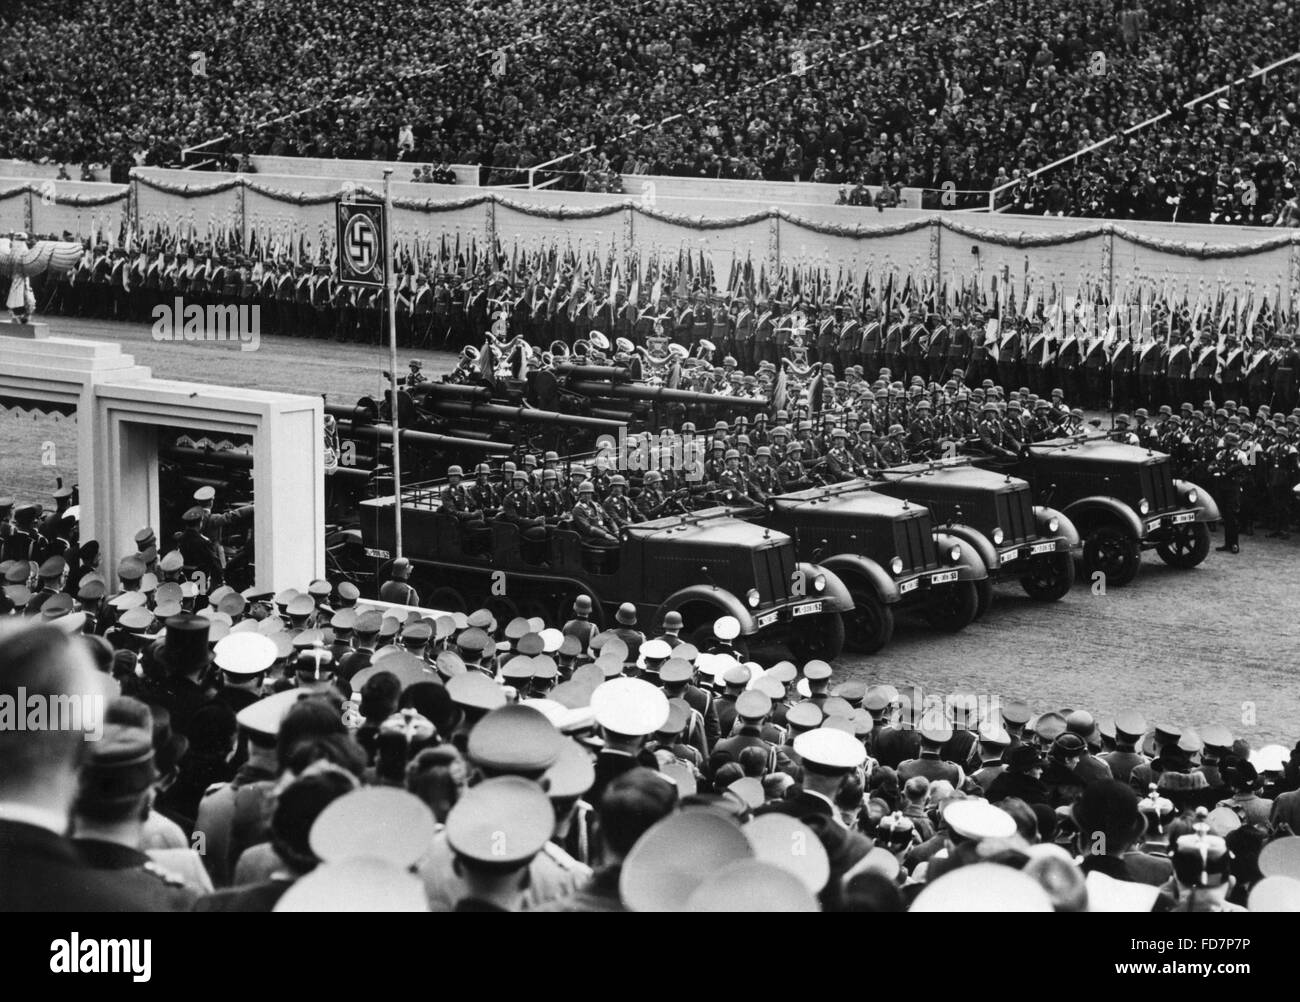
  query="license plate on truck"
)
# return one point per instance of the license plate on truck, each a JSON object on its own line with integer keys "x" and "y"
{"x": 1006, "y": 556}
{"x": 767, "y": 619}
{"x": 907, "y": 586}
{"x": 1042, "y": 548}
{"x": 1184, "y": 518}
{"x": 807, "y": 609}
{"x": 943, "y": 577}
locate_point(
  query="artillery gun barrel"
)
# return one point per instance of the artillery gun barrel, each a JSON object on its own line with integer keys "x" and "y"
{"x": 453, "y": 391}
{"x": 383, "y": 433}
{"x": 233, "y": 460}
{"x": 501, "y": 412}
{"x": 573, "y": 370}
{"x": 664, "y": 394}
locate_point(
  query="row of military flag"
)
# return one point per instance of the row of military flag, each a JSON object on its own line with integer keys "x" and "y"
{"x": 660, "y": 276}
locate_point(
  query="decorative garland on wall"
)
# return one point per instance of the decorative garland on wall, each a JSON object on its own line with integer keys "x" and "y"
{"x": 84, "y": 201}
{"x": 1019, "y": 240}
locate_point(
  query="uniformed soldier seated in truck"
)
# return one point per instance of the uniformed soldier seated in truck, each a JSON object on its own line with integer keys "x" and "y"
{"x": 520, "y": 506}
{"x": 590, "y": 519}
{"x": 617, "y": 505}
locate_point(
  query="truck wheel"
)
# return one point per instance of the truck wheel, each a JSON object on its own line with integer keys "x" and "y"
{"x": 954, "y": 607}
{"x": 445, "y": 598}
{"x": 1113, "y": 552}
{"x": 820, "y": 637}
{"x": 1189, "y": 545}
{"x": 1050, "y": 577}
{"x": 983, "y": 597}
{"x": 870, "y": 625}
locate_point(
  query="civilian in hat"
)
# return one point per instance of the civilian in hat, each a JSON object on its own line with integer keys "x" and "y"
{"x": 1108, "y": 823}
{"x": 185, "y": 661}
{"x": 1022, "y": 778}
{"x": 1246, "y": 783}
{"x": 1064, "y": 784}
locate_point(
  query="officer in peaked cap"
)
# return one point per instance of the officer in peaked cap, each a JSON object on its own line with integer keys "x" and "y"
{"x": 514, "y": 740}
{"x": 1129, "y": 728}
{"x": 244, "y": 659}
{"x": 993, "y": 742}
{"x": 828, "y": 756}
{"x": 1048, "y": 727}
{"x": 988, "y": 887}
{"x": 494, "y": 831}
{"x": 476, "y": 694}
{"x": 378, "y": 822}
{"x": 114, "y": 792}
{"x": 356, "y": 884}
{"x": 752, "y": 711}
{"x": 677, "y": 676}
{"x": 628, "y": 710}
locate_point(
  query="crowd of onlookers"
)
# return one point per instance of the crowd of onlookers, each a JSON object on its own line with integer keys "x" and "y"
{"x": 170, "y": 743}
{"x": 810, "y": 90}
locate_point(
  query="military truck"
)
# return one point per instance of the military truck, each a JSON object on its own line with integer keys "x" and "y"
{"x": 995, "y": 513}
{"x": 1123, "y": 499}
{"x": 703, "y": 564}
{"x": 887, "y": 552}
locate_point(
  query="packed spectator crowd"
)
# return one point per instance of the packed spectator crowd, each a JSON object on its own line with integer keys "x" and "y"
{"x": 318, "y": 750}
{"x": 805, "y": 89}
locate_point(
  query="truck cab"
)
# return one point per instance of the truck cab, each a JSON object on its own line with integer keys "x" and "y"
{"x": 887, "y": 551}
{"x": 995, "y": 513}
{"x": 1123, "y": 499}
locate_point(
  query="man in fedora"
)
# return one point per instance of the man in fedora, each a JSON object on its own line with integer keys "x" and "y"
{"x": 185, "y": 661}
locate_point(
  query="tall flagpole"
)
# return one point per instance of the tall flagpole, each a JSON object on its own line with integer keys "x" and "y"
{"x": 390, "y": 285}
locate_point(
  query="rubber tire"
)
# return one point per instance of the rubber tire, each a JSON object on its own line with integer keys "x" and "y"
{"x": 983, "y": 596}
{"x": 1055, "y": 587}
{"x": 955, "y": 609}
{"x": 1192, "y": 555}
{"x": 870, "y": 626}
{"x": 447, "y": 599}
{"x": 1119, "y": 572}
{"x": 822, "y": 638}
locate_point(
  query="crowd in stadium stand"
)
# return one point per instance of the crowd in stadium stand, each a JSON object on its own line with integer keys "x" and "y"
{"x": 805, "y": 89}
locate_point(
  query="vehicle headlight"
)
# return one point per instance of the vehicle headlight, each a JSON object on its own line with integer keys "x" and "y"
{"x": 954, "y": 554}
{"x": 753, "y": 598}
{"x": 1192, "y": 496}
{"x": 896, "y": 565}
{"x": 819, "y": 582}
{"x": 1144, "y": 506}
{"x": 997, "y": 536}
{"x": 1053, "y": 524}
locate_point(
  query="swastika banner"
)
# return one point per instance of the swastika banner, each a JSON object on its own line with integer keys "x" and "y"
{"x": 361, "y": 244}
